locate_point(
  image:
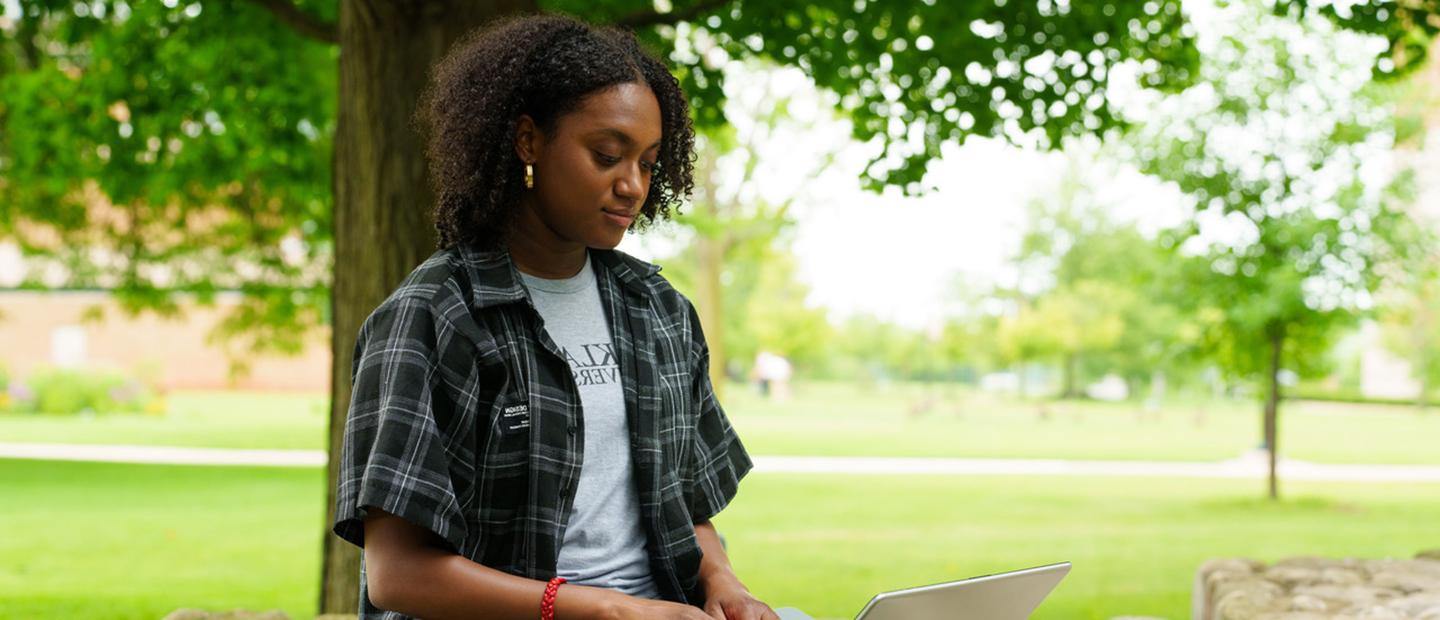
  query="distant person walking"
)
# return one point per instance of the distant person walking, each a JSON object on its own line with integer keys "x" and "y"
{"x": 772, "y": 374}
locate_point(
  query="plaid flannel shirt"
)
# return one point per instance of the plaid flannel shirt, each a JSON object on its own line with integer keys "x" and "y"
{"x": 465, "y": 418}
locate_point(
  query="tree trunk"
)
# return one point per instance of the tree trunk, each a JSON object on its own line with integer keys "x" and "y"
{"x": 1072, "y": 362}
{"x": 710, "y": 306}
{"x": 1272, "y": 408}
{"x": 710, "y": 242}
{"x": 1422, "y": 369}
{"x": 383, "y": 204}
{"x": 1020, "y": 380}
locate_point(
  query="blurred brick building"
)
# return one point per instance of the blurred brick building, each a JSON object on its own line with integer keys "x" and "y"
{"x": 51, "y": 329}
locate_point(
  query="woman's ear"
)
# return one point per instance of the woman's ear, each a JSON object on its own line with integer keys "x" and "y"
{"x": 529, "y": 140}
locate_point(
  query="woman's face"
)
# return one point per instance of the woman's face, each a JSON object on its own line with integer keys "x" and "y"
{"x": 592, "y": 173}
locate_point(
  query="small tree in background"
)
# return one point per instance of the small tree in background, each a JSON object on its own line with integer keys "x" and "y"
{"x": 1285, "y": 155}
{"x": 1410, "y": 314}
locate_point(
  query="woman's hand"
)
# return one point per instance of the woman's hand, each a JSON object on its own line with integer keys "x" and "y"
{"x": 630, "y": 607}
{"x": 725, "y": 597}
{"x": 734, "y": 602}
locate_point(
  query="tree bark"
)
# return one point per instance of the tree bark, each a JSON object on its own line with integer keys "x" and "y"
{"x": 383, "y": 204}
{"x": 299, "y": 20}
{"x": 711, "y": 292}
{"x": 1020, "y": 379}
{"x": 1424, "y": 362}
{"x": 1272, "y": 408}
{"x": 1424, "y": 399}
{"x": 710, "y": 244}
{"x": 1071, "y": 370}
{"x": 25, "y": 32}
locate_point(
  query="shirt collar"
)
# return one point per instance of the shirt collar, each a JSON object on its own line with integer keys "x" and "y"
{"x": 632, "y": 272}
{"x": 495, "y": 280}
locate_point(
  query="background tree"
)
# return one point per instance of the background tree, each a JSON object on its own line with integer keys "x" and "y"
{"x": 1273, "y": 143}
{"x": 1410, "y": 313}
{"x": 1410, "y": 305}
{"x": 741, "y": 280}
{"x": 1106, "y": 289}
{"x": 873, "y": 352}
{"x": 1408, "y": 27}
{"x": 1025, "y": 336}
{"x": 158, "y": 151}
{"x": 764, "y": 300}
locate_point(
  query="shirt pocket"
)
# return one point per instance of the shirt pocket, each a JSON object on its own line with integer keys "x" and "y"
{"x": 511, "y": 428}
{"x": 503, "y": 462}
{"x": 508, "y": 418}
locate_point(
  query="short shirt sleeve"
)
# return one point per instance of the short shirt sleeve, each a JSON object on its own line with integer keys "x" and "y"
{"x": 718, "y": 459}
{"x": 397, "y": 430}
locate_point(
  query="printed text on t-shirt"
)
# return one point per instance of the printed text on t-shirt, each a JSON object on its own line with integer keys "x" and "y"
{"x": 594, "y": 365}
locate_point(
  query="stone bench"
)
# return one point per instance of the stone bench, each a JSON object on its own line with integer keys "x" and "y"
{"x": 1309, "y": 588}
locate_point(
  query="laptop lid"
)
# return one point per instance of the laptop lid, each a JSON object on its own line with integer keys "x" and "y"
{"x": 1003, "y": 596}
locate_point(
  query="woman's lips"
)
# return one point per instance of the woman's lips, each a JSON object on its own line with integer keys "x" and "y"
{"x": 620, "y": 219}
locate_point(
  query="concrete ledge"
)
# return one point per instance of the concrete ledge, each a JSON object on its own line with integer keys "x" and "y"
{"x": 1311, "y": 588}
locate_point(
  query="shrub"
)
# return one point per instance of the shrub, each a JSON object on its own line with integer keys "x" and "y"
{"x": 66, "y": 391}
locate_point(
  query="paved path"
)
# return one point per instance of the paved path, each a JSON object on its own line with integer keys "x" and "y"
{"x": 162, "y": 454}
{"x": 1250, "y": 466}
{"x": 1237, "y": 468}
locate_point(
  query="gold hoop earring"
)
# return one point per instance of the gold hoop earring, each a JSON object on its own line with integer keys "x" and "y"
{"x": 529, "y": 176}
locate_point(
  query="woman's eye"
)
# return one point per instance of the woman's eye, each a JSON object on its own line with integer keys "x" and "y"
{"x": 649, "y": 166}
{"x": 608, "y": 160}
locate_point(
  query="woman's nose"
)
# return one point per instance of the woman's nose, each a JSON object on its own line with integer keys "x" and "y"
{"x": 631, "y": 184}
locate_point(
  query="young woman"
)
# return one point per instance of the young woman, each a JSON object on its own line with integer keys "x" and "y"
{"x": 530, "y": 406}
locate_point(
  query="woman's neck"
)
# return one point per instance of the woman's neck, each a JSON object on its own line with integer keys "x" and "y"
{"x": 539, "y": 251}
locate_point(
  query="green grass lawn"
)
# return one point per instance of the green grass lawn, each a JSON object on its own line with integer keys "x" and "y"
{"x": 98, "y": 540}
{"x": 846, "y": 420}
{"x": 826, "y": 544}
{"x": 207, "y": 419}
{"x": 93, "y": 540}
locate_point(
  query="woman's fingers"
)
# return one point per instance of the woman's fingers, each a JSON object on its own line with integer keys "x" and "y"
{"x": 714, "y": 611}
{"x": 758, "y": 610}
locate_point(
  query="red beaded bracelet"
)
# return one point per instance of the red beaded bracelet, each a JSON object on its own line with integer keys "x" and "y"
{"x": 547, "y": 604}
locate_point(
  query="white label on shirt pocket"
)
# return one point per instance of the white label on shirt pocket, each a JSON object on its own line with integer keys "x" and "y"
{"x": 515, "y": 417}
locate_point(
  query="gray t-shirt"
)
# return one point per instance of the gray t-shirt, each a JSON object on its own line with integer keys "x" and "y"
{"x": 604, "y": 544}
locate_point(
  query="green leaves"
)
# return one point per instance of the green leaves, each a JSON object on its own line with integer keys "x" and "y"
{"x": 1272, "y": 144}
{"x": 171, "y": 147}
{"x": 167, "y": 150}
{"x": 916, "y": 75}
{"x": 1408, "y": 27}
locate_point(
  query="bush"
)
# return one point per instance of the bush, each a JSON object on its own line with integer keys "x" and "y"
{"x": 64, "y": 391}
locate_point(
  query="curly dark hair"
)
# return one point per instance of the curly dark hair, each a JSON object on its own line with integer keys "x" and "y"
{"x": 543, "y": 66}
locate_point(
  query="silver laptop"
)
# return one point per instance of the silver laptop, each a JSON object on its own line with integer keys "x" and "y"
{"x": 1004, "y": 596}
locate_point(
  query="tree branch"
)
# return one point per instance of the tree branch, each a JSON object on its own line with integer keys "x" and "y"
{"x": 643, "y": 19}
{"x": 305, "y": 24}
{"x": 25, "y": 38}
